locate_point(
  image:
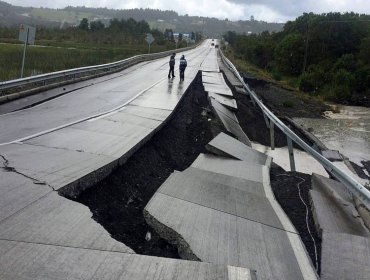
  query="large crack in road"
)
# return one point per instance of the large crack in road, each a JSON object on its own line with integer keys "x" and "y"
{"x": 117, "y": 203}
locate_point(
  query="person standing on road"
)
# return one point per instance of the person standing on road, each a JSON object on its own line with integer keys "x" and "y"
{"x": 182, "y": 67}
{"x": 172, "y": 66}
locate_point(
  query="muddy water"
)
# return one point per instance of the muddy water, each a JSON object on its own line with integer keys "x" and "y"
{"x": 346, "y": 129}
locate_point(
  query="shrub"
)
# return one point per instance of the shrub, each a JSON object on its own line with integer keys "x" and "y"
{"x": 313, "y": 80}
{"x": 288, "y": 104}
{"x": 276, "y": 75}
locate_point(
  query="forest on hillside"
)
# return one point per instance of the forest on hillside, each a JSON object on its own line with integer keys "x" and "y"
{"x": 326, "y": 55}
{"x": 11, "y": 16}
{"x": 89, "y": 43}
{"x": 116, "y": 32}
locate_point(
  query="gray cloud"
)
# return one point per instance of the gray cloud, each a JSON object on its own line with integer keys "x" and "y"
{"x": 268, "y": 10}
{"x": 294, "y": 8}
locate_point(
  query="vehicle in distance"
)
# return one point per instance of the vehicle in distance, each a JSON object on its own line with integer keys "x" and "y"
{"x": 212, "y": 44}
{"x": 216, "y": 46}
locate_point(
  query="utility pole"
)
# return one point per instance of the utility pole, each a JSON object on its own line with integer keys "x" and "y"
{"x": 27, "y": 36}
{"x": 24, "y": 51}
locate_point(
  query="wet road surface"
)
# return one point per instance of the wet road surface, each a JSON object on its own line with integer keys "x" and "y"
{"x": 95, "y": 99}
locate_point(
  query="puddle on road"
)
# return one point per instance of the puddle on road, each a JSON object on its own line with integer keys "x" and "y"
{"x": 347, "y": 131}
{"x": 304, "y": 162}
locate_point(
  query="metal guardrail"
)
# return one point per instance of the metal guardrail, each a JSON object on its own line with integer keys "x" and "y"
{"x": 73, "y": 73}
{"x": 357, "y": 189}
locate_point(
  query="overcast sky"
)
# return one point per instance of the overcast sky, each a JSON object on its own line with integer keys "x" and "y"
{"x": 268, "y": 10}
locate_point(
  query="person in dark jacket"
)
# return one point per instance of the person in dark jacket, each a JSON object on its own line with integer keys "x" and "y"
{"x": 182, "y": 67}
{"x": 172, "y": 66}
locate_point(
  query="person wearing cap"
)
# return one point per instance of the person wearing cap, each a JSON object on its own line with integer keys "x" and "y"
{"x": 182, "y": 67}
{"x": 172, "y": 66}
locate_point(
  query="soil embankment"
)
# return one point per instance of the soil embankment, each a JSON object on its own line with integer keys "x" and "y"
{"x": 287, "y": 103}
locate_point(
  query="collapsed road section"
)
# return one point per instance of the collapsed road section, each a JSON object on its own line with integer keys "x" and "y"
{"x": 117, "y": 202}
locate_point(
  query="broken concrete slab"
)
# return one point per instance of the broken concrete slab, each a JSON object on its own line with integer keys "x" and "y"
{"x": 332, "y": 155}
{"x": 230, "y": 121}
{"x": 222, "y": 198}
{"x": 220, "y": 89}
{"x": 127, "y": 118}
{"x": 332, "y": 210}
{"x": 331, "y": 187}
{"x": 55, "y": 220}
{"x": 116, "y": 128}
{"x": 214, "y": 75}
{"x": 113, "y": 135}
{"x": 218, "y": 237}
{"x": 208, "y": 177}
{"x": 226, "y": 101}
{"x": 85, "y": 141}
{"x": 212, "y": 80}
{"x": 347, "y": 168}
{"x": 17, "y": 192}
{"x": 145, "y": 112}
{"x": 232, "y": 167}
{"x": 223, "y": 111}
{"x": 158, "y": 98}
{"x": 226, "y": 145}
{"x": 56, "y": 262}
{"x": 344, "y": 256}
{"x": 71, "y": 165}
{"x": 234, "y": 128}
{"x": 230, "y": 76}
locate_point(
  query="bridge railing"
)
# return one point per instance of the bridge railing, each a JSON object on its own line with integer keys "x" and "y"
{"x": 11, "y": 86}
{"x": 356, "y": 188}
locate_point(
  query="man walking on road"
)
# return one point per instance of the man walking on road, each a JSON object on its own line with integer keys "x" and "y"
{"x": 172, "y": 66}
{"x": 183, "y": 64}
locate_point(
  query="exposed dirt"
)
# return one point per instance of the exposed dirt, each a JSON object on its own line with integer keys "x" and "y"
{"x": 360, "y": 170}
{"x": 284, "y": 102}
{"x": 285, "y": 187}
{"x": 254, "y": 125}
{"x": 117, "y": 202}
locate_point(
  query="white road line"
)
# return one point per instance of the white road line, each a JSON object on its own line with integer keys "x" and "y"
{"x": 90, "y": 118}
{"x": 93, "y": 117}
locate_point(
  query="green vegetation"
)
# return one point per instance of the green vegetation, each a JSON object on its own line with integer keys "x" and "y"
{"x": 90, "y": 43}
{"x": 326, "y": 55}
{"x": 11, "y": 16}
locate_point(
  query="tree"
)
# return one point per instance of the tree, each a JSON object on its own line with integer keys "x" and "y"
{"x": 96, "y": 25}
{"x": 289, "y": 54}
{"x": 180, "y": 37}
{"x": 84, "y": 24}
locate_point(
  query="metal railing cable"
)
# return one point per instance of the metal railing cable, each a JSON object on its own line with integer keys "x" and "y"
{"x": 356, "y": 188}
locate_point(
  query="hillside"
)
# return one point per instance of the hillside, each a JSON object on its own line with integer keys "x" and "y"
{"x": 326, "y": 55}
{"x": 14, "y": 15}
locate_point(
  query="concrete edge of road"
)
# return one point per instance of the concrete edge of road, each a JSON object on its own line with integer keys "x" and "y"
{"x": 74, "y": 188}
{"x": 32, "y": 91}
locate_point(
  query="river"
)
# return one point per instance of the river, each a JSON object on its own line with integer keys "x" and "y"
{"x": 346, "y": 129}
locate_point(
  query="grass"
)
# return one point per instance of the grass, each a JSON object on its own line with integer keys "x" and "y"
{"x": 247, "y": 67}
{"x": 41, "y": 60}
{"x": 290, "y": 83}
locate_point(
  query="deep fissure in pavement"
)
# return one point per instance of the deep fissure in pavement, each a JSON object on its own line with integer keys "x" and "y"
{"x": 117, "y": 202}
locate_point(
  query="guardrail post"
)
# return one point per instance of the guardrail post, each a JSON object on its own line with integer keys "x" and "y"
{"x": 291, "y": 154}
{"x": 266, "y": 120}
{"x": 272, "y": 135}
